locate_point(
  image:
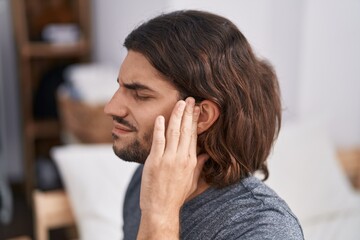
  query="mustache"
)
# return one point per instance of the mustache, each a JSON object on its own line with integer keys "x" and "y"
{"x": 124, "y": 122}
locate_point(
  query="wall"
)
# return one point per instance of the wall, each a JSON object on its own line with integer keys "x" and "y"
{"x": 112, "y": 22}
{"x": 330, "y": 67}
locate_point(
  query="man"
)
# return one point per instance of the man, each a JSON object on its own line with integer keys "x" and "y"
{"x": 201, "y": 112}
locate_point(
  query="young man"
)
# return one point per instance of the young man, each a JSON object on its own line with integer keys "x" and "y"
{"x": 200, "y": 112}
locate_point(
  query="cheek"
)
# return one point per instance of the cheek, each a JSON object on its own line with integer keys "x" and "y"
{"x": 145, "y": 118}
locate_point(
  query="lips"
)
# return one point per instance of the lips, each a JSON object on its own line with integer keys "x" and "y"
{"x": 121, "y": 126}
{"x": 120, "y": 129}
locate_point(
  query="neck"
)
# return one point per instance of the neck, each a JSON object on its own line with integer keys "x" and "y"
{"x": 201, "y": 187}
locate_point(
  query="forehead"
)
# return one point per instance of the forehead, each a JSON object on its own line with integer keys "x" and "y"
{"x": 137, "y": 69}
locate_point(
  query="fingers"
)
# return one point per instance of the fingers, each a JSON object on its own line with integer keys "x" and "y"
{"x": 186, "y": 129}
{"x": 181, "y": 135}
{"x": 158, "y": 144}
{"x": 193, "y": 144}
{"x": 173, "y": 131}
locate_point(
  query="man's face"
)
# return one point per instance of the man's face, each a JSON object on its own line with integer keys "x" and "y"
{"x": 142, "y": 96}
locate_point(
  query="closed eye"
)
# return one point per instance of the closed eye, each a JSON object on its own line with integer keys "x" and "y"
{"x": 141, "y": 97}
{"x": 139, "y": 91}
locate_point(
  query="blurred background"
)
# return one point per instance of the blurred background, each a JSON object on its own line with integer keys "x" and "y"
{"x": 59, "y": 61}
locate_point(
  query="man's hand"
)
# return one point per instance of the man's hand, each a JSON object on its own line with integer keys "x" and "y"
{"x": 171, "y": 172}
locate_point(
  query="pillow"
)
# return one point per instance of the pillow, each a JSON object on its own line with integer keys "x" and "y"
{"x": 95, "y": 180}
{"x": 305, "y": 172}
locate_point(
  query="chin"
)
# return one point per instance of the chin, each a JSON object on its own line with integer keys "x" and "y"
{"x": 131, "y": 153}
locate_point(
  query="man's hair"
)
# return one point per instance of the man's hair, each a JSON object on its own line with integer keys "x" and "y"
{"x": 206, "y": 56}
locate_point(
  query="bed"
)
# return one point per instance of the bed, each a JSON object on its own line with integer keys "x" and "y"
{"x": 303, "y": 166}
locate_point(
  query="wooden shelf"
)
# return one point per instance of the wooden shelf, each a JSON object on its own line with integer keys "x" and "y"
{"x": 42, "y": 129}
{"x": 52, "y": 210}
{"x": 35, "y": 59}
{"x": 50, "y": 50}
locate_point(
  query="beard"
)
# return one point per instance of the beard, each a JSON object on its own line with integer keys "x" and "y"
{"x": 134, "y": 151}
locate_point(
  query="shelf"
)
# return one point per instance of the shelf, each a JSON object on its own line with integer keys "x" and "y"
{"x": 43, "y": 129}
{"x": 37, "y": 58}
{"x": 50, "y": 50}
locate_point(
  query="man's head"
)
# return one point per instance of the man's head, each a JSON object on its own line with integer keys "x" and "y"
{"x": 205, "y": 56}
{"x": 143, "y": 94}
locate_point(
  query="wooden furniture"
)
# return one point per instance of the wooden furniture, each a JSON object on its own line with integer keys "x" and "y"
{"x": 35, "y": 59}
{"x": 52, "y": 210}
{"x": 20, "y": 238}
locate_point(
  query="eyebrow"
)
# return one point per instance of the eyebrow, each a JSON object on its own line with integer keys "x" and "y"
{"x": 136, "y": 86}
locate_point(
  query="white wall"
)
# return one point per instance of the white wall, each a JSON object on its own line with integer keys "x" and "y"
{"x": 330, "y": 67}
{"x": 313, "y": 45}
{"x": 112, "y": 22}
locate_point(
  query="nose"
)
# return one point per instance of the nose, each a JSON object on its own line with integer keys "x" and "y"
{"x": 116, "y": 106}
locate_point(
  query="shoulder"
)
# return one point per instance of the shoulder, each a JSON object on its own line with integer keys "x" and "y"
{"x": 246, "y": 210}
{"x": 262, "y": 213}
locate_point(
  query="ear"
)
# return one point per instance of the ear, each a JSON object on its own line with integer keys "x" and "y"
{"x": 209, "y": 113}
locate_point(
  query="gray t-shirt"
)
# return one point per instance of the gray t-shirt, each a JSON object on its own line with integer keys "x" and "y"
{"x": 245, "y": 210}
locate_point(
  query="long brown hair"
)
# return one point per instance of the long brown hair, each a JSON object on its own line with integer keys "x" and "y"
{"x": 206, "y": 56}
